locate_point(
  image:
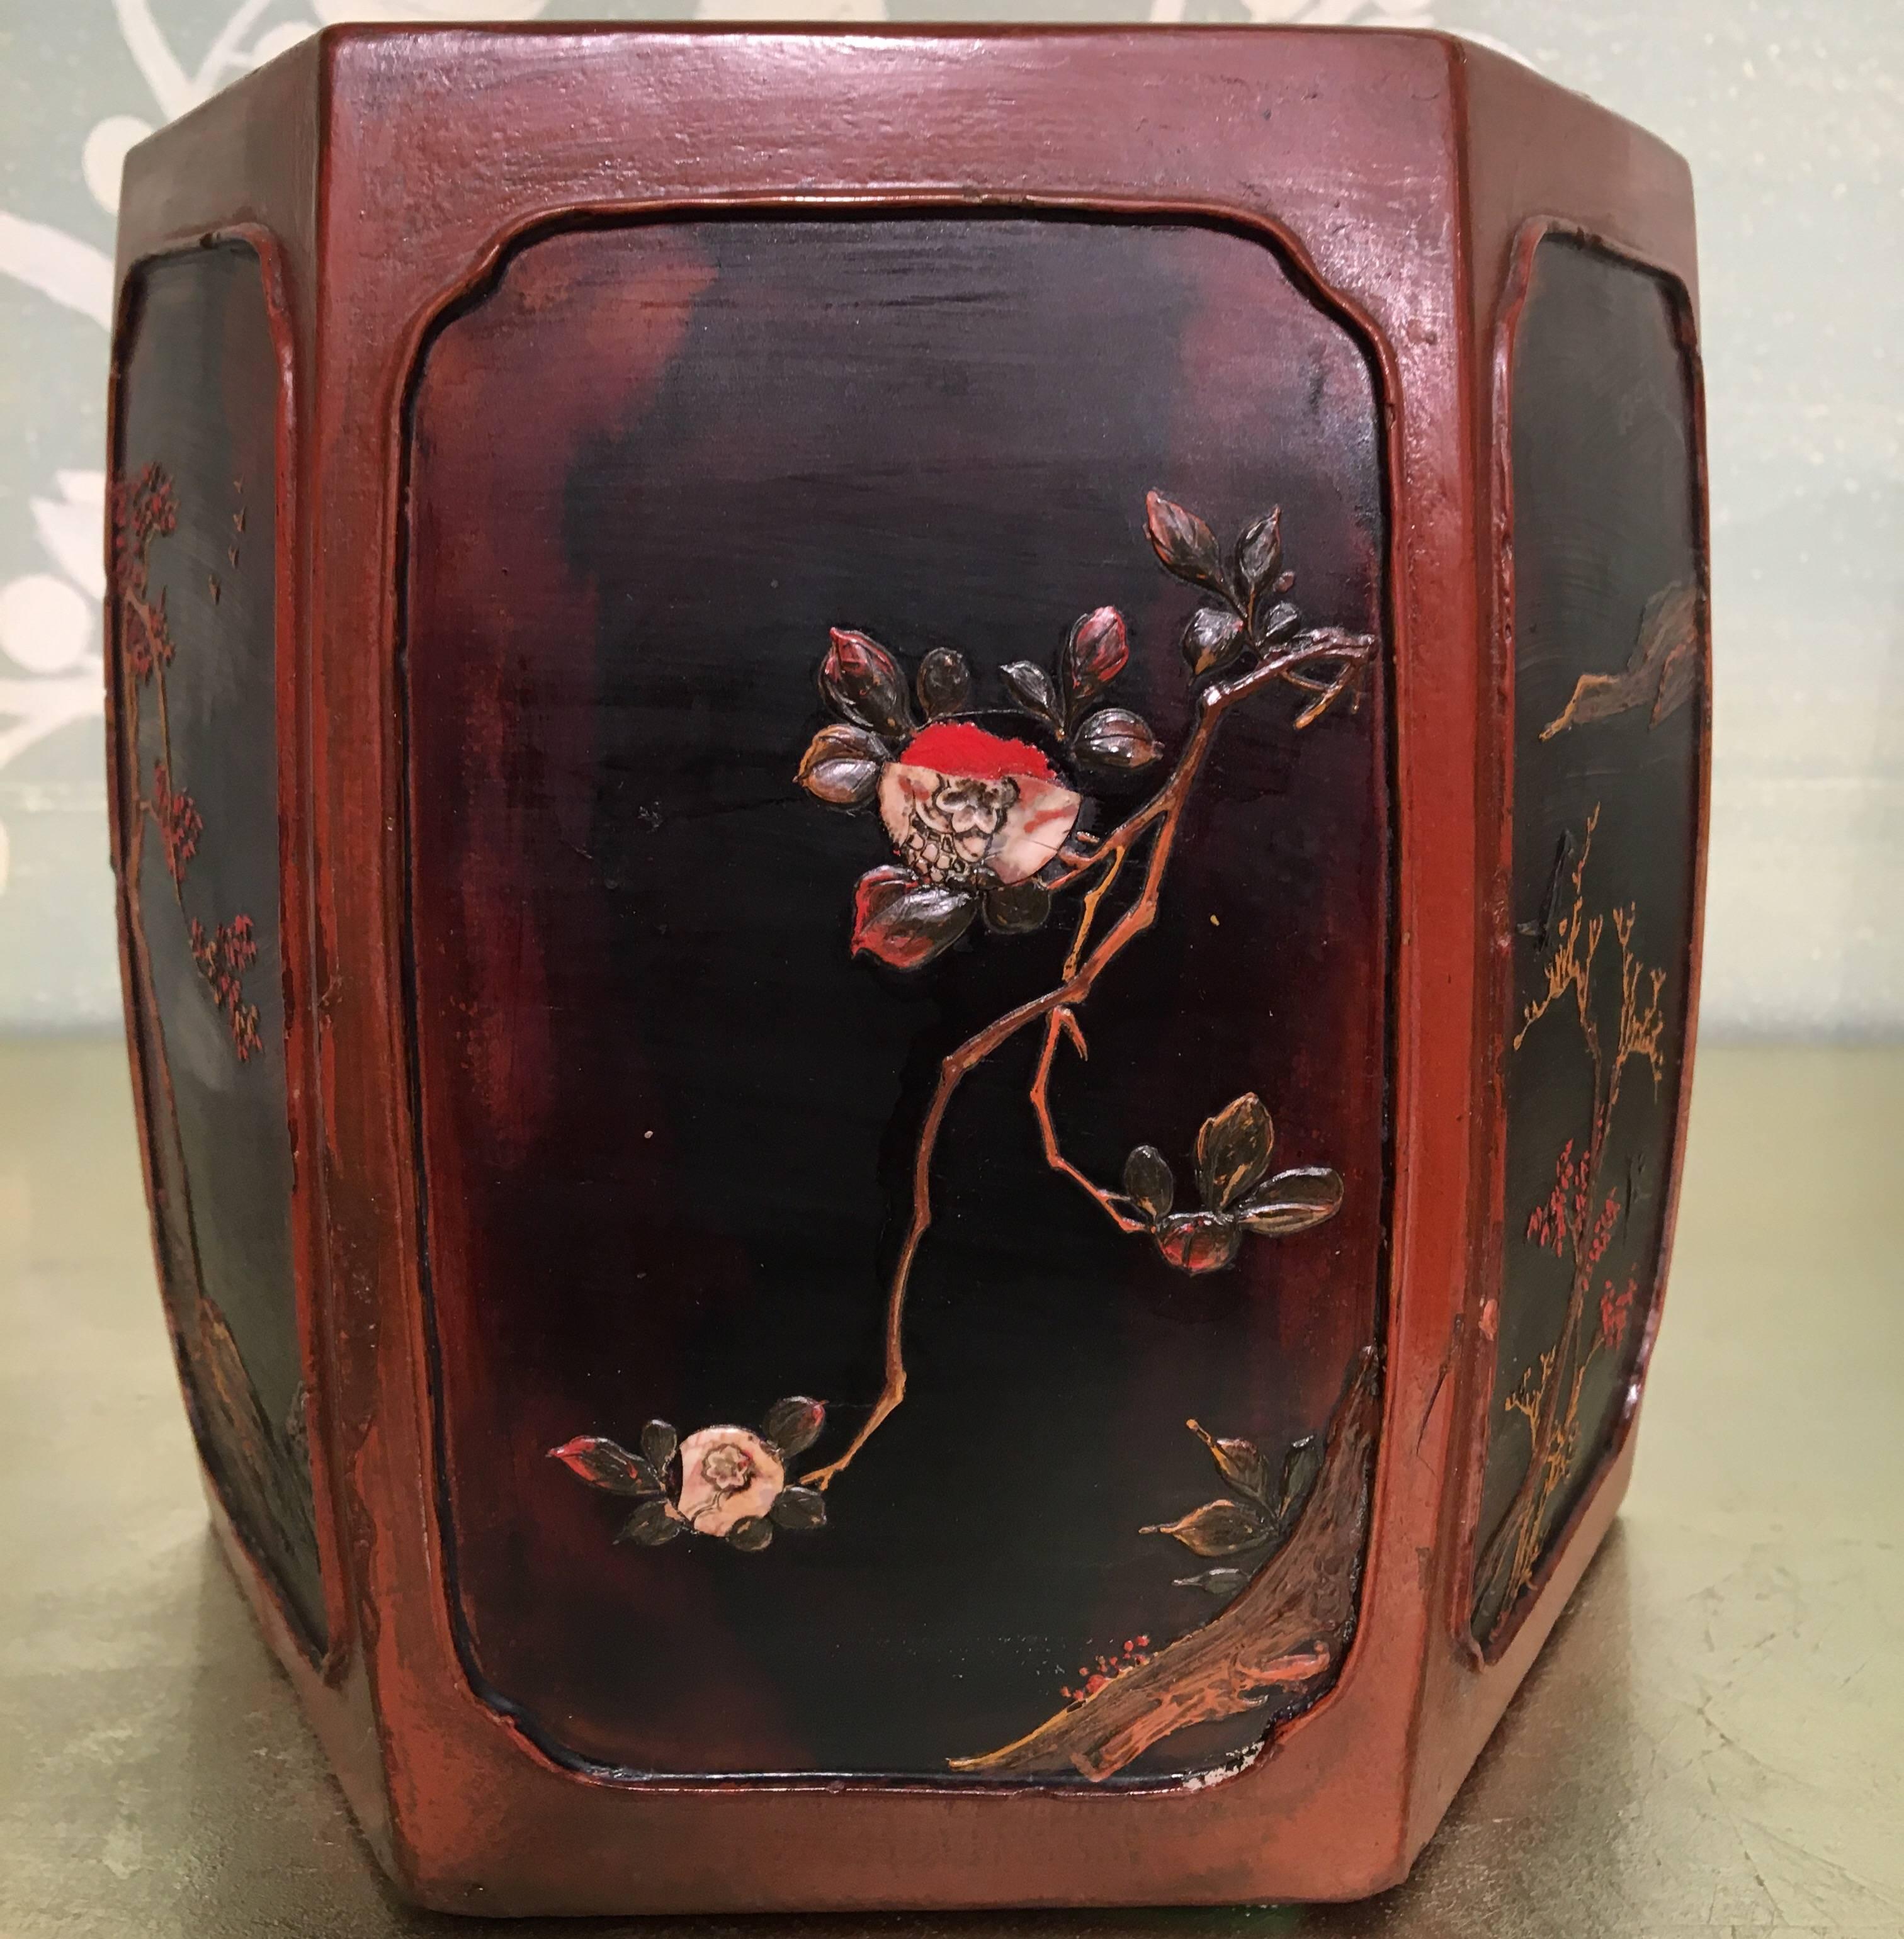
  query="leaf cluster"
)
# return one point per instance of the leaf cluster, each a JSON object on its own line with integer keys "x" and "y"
{"x": 862, "y": 685}
{"x": 878, "y": 710}
{"x": 1246, "y": 613}
{"x": 1096, "y": 652}
{"x": 1232, "y": 1161}
{"x": 1262, "y": 1511}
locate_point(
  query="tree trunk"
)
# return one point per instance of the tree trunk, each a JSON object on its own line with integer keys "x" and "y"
{"x": 1284, "y": 1634}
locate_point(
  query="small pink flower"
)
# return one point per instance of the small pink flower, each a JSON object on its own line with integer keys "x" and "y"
{"x": 728, "y": 1474}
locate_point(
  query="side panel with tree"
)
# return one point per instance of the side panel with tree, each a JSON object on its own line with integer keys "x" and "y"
{"x": 1608, "y": 618}
{"x": 193, "y": 670}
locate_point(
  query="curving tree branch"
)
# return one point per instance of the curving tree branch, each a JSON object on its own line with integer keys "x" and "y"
{"x": 1578, "y": 1224}
{"x": 1156, "y": 824}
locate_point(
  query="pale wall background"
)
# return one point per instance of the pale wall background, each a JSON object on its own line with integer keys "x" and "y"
{"x": 1791, "y": 112}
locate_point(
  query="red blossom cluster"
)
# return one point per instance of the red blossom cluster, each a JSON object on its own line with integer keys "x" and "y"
{"x": 1136, "y": 1651}
{"x": 179, "y": 822}
{"x": 222, "y": 958}
{"x": 1603, "y": 1230}
{"x": 1616, "y": 1309}
{"x": 1562, "y": 1220}
{"x": 147, "y": 509}
{"x": 148, "y": 635}
{"x": 150, "y": 506}
{"x": 1548, "y": 1225}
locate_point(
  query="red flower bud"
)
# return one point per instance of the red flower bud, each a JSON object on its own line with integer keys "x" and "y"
{"x": 1096, "y": 654}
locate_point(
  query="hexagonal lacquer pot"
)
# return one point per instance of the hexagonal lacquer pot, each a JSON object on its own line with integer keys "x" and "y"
{"x": 908, "y": 830}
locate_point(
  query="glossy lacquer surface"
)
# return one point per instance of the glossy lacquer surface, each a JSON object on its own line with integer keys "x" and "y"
{"x": 670, "y": 1122}
{"x": 1609, "y": 621}
{"x": 194, "y": 671}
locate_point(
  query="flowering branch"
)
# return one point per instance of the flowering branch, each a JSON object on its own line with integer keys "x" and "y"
{"x": 263, "y": 1463}
{"x": 985, "y": 826}
{"x": 1577, "y": 1221}
{"x": 143, "y": 511}
{"x": 1245, "y": 623}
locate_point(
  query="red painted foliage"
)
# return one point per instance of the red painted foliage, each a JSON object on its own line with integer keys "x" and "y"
{"x": 222, "y": 958}
{"x": 179, "y": 822}
{"x": 957, "y": 748}
{"x": 1567, "y": 1222}
{"x": 1136, "y": 1650}
{"x": 1616, "y": 1310}
{"x": 145, "y": 510}
{"x": 141, "y": 512}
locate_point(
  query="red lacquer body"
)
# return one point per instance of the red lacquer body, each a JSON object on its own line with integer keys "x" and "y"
{"x": 848, "y": 769}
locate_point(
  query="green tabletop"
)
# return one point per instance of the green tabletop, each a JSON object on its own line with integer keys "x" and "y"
{"x": 1712, "y": 1741}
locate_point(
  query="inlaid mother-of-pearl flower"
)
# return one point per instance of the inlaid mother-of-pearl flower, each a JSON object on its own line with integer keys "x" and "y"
{"x": 972, "y": 808}
{"x": 976, "y": 818}
{"x": 728, "y": 1474}
{"x": 973, "y": 817}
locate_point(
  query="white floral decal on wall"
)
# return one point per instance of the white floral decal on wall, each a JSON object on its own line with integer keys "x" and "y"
{"x": 50, "y": 672}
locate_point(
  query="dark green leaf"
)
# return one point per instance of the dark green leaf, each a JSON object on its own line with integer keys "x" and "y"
{"x": 650, "y": 1525}
{"x": 800, "y": 1507}
{"x": 1217, "y": 1528}
{"x": 1214, "y": 1581}
{"x": 861, "y": 680}
{"x": 905, "y": 921}
{"x": 1150, "y": 1182}
{"x": 1280, "y": 623}
{"x": 1260, "y": 551}
{"x": 750, "y": 1534}
{"x": 1186, "y": 546}
{"x": 1199, "y": 1242}
{"x": 944, "y": 682}
{"x": 1292, "y": 1201}
{"x": 1240, "y": 1463}
{"x": 1114, "y": 737}
{"x": 841, "y": 765}
{"x": 1300, "y": 1467}
{"x": 607, "y": 1464}
{"x": 1213, "y": 637}
{"x": 1232, "y": 1151}
{"x": 1016, "y": 908}
{"x": 1095, "y": 653}
{"x": 793, "y": 1425}
{"x": 1030, "y": 686}
{"x": 658, "y": 1442}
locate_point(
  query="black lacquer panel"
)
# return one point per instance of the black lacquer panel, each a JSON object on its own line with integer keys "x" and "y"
{"x": 670, "y": 1122}
{"x": 195, "y": 672}
{"x": 1609, "y": 618}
